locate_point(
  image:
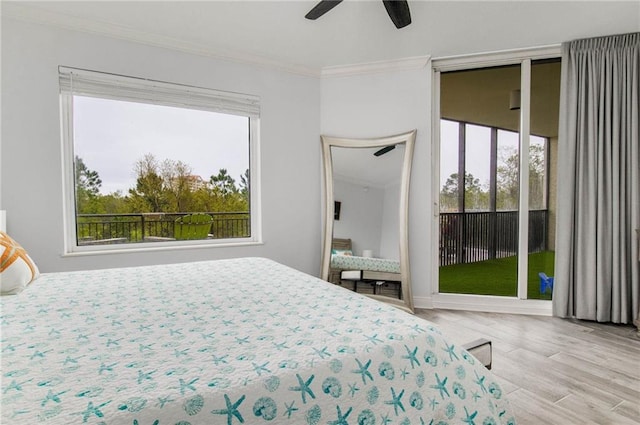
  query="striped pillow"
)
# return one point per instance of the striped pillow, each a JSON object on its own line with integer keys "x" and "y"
{"x": 17, "y": 269}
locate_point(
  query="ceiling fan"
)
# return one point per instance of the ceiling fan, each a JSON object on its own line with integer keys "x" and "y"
{"x": 398, "y": 11}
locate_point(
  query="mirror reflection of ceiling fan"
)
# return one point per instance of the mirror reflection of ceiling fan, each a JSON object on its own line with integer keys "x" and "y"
{"x": 398, "y": 11}
{"x": 384, "y": 150}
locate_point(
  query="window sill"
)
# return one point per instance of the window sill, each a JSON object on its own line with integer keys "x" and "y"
{"x": 78, "y": 251}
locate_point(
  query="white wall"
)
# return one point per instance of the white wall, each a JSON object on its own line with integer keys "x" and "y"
{"x": 369, "y": 217}
{"x": 381, "y": 104}
{"x": 30, "y": 175}
{"x": 390, "y": 234}
{"x": 360, "y": 215}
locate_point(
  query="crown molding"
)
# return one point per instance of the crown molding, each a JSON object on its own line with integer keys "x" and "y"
{"x": 33, "y": 14}
{"x": 489, "y": 59}
{"x": 405, "y": 64}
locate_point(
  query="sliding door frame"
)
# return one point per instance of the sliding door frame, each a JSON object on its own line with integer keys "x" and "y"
{"x": 524, "y": 58}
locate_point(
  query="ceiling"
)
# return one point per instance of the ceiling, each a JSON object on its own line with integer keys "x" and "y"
{"x": 275, "y": 33}
{"x": 360, "y": 166}
{"x": 481, "y": 96}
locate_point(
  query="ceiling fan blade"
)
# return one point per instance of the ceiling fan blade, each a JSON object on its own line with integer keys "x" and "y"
{"x": 321, "y": 8}
{"x": 384, "y": 150}
{"x": 398, "y": 11}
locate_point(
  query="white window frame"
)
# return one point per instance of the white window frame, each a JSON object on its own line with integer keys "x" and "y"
{"x": 74, "y": 81}
{"x": 519, "y": 304}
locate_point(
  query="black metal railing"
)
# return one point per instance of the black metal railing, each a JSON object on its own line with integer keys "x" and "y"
{"x": 95, "y": 229}
{"x": 478, "y": 236}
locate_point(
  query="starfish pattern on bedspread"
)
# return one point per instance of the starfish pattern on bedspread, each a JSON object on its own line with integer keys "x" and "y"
{"x": 243, "y": 341}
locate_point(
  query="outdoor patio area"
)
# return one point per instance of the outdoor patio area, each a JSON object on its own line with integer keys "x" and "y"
{"x": 497, "y": 276}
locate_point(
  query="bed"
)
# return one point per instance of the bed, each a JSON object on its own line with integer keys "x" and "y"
{"x": 354, "y": 262}
{"x": 240, "y": 341}
{"x": 382, "y": 274}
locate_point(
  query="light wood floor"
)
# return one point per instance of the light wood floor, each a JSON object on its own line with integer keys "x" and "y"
{"x": 556, "y": 371}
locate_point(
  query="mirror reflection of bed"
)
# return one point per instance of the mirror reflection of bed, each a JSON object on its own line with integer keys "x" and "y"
{"x": 364, "y": 273}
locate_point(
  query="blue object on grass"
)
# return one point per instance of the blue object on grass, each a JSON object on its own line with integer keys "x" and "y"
{"x": 545, "y": 282}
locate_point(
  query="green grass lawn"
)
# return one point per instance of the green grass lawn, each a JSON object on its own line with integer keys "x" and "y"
{"x": 496, "y": 277}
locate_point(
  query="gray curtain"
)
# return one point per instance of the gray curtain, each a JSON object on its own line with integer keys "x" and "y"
{"x": 597, "y": 269}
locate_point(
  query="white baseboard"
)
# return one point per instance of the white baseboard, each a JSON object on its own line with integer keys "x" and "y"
{"x": 484, "y": 303}
{"x": 422, "y": 302}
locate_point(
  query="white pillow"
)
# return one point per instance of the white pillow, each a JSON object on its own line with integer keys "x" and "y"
{"x": 17, "y": 269}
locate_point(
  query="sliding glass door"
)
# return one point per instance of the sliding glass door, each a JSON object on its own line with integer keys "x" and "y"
{"x": 543, "y": 148}
{"x": 495, "y": 219}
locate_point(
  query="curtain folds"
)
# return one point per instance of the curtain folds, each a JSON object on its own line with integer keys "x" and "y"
{"x": 597, "y": 269}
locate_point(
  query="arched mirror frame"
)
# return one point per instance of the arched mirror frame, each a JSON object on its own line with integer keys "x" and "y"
{"x": 408, "y": 140}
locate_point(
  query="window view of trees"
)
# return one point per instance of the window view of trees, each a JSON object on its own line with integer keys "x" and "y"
{"x": 167, "y": 186}
{"x": 155, "y": 161}
{"x": 163, "y": 193}
{"x": 477, "y": 192}
{"x": 507, "y": 177}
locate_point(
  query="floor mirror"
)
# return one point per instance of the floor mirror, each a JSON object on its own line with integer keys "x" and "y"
{"x": 366, "y": 247}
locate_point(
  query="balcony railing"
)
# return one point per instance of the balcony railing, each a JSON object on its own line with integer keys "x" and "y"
{"x": 94, "y": 229}
{"x": 478, "y": 236}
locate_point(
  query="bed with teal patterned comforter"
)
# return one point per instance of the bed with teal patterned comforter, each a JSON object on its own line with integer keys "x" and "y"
{"x": 353, "y": 262}
{"x": 242, "y": 341}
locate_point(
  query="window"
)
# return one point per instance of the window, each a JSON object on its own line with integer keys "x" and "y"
{"x": 481, "y": 184}
{"x": 151, "y": 164}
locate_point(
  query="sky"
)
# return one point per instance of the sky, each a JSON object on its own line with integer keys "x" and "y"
{"x": 477, "y": 149}
{"x": 111, "y": 136}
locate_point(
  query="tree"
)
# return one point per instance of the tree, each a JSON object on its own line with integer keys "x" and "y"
{"x": 178, "y": 181}
{"x": 475, "y": 195}
{"x": 223, "y": 183}
{"x": 86, "y": 179}
{"x": 168, "y": 186}
{"x": 149, "y": 186}
{"x": 537, "y": 176}
{"x": 244, "y": 183}
{"x": 449, "y": 194}
{"x": 244, "y": 188}
{"x": 113, "y": 203}
{"x": 508, "y": 177}
{"x": 88, "y": 185}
